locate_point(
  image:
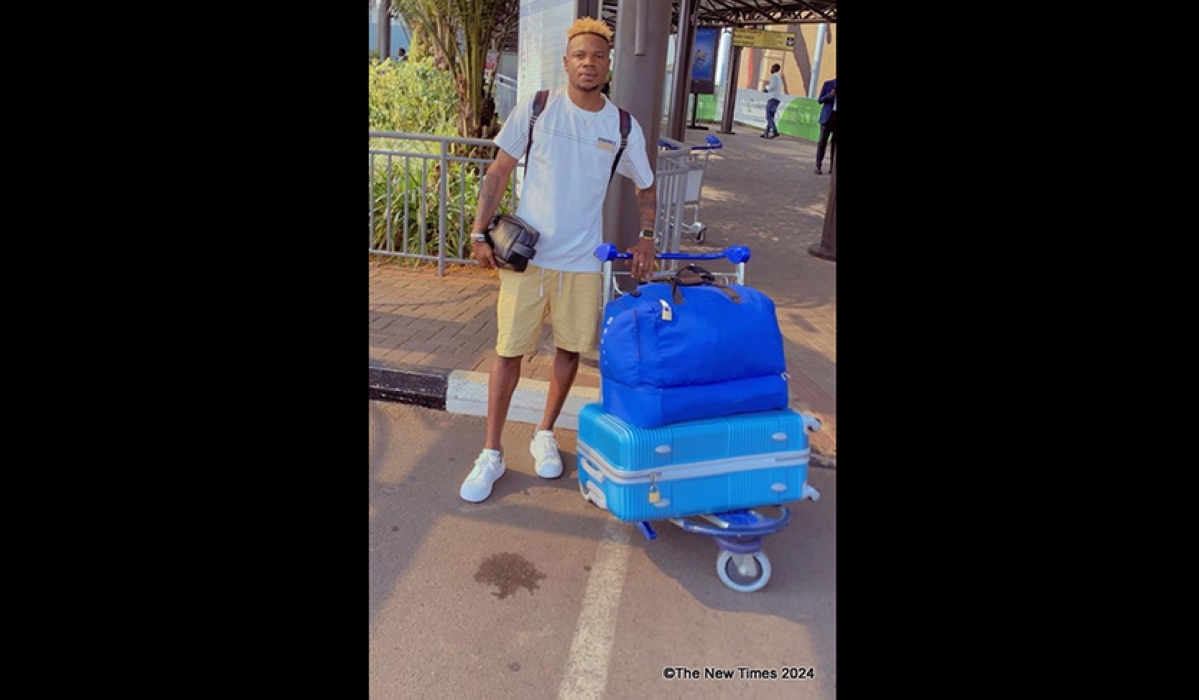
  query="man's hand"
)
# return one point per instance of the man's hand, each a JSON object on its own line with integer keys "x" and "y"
{"x": 490, "y": 193}
{"x": 642, "y": 264}
{"x": 484, "y": 255}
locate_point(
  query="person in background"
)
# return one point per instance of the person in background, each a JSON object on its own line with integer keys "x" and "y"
{"x": 774, "y": 88}
{"x": 828, "y": 123}
{"x": 402, "y": 55}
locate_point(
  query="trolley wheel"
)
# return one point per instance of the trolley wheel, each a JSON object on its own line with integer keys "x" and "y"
{"x": 758, "y": 564}
{"x": 700, "y": 234}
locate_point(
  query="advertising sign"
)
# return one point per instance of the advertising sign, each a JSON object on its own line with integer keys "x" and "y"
{"x": 703, "y": 61}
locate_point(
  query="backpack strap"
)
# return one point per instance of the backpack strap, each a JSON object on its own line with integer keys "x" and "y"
{"x": 626, "y": 125}
{"x": 538, "y": 105}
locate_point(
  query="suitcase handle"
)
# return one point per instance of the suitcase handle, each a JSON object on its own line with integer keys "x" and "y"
{"x": 597, "y": 477}
{"x": 735, "y": 254}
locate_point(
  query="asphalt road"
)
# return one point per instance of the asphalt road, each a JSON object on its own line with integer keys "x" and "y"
{"x": 536, "y": 593}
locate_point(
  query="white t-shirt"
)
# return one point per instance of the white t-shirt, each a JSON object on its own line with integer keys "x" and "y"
{"x": 774, "y": 88}
{"x": 567, "y": 180}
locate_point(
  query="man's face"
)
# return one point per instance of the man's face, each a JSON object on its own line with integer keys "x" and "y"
{"x": 586, "y": 62}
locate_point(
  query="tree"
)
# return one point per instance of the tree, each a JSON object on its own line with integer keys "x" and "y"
{"x": 459, "y": 34}
{"x": 384, "y": 29}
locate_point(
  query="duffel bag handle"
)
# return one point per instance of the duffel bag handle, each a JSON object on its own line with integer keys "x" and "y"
{"x": 693, "y": 275}
{"x": 696, "y": 276}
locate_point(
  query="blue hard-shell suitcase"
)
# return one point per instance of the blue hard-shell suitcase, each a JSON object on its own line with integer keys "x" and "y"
{"x": 695, "y": 467}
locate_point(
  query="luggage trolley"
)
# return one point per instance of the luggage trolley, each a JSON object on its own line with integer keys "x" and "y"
{"x": 681, "y": 176}
{"x": 741, "y": 564}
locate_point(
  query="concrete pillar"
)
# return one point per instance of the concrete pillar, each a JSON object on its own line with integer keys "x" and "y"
{"x": 753, "y": 68}
{"x": 637, "y": 84}
{"x": 590, "y": 8}
{"x": 827, "y": 248}
{"x": 677, "y": 118}
{"x": 730, "y": 93}
{"x": 814, "y": 83}
{"x": 385, "y": 29}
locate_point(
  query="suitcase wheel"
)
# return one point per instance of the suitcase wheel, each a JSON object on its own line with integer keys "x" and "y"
{"x": 744, "y": 573}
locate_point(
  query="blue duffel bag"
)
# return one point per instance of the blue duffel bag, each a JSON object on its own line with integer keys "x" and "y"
{"x": 690, "y": 349}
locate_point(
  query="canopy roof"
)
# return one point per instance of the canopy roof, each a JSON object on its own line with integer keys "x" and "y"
{"x": 746, "y": 12}
{"x": 730, "y": 13}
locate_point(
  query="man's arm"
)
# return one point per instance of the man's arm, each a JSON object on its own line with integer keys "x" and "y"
{"x": 643, "y": 249}
{"x": 647, "y": 205}
{"x": 490, "y": 194}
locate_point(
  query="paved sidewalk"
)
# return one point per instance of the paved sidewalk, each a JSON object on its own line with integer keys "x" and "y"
{"x": 762, "y": 193}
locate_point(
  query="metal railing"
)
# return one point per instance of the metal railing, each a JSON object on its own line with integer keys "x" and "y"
{"x": 406, "y": 219}
{"x": 418, "y": 196}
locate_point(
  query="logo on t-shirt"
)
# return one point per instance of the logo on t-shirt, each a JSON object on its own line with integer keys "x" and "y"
{"x": 606, "y": 144}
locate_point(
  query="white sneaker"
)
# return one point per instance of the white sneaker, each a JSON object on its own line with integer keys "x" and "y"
{"x": 488, "y": 467}
{"x": 545, "y": 454}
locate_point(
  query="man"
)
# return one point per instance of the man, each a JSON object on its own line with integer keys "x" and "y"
{"x": 774, "y": 88}
{"x": 575, "y": 140}
{"x": 828, "y": 123}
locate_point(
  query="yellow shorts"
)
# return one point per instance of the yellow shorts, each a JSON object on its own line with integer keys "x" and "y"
{"x": 571, "y": 300}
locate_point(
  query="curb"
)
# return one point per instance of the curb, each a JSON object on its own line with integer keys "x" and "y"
{"x": 465, "y": 393}
{"x": 423, "y": 387}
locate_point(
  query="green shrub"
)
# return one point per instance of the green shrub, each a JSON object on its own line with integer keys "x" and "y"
{"x": 419, "y": 233}
{"x": 412, "y": 97}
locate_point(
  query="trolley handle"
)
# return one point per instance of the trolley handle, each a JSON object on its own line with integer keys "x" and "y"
{"x": 735, "y": 254}
{"x": 713, "y": 144}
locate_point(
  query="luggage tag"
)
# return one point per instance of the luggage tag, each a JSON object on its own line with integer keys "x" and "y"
{"x": 667, "y": 313}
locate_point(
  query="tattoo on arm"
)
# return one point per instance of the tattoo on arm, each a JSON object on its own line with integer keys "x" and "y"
{"x": 490, "y": 193}
{"x": 647, "y": 205}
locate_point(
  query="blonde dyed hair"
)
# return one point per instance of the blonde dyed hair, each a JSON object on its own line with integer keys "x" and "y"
{"x": 587, "y": 25}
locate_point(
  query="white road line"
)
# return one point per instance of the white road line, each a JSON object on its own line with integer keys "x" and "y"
{"x": 587, "y": 668}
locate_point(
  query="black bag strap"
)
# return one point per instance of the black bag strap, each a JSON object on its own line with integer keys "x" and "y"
{"x": 538, "y": 105}
{"x": 539, "y": 100}
{"x": 695, "y": 276}
{"x": 626, "y": 125}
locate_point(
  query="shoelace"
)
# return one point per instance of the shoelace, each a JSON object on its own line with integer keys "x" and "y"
{"x": 481, "y": 463}
{"x": 548, "y": 442}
